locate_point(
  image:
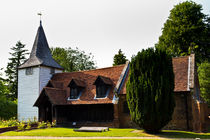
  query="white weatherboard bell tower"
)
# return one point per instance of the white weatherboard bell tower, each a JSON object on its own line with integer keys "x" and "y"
{"x": 34, "y": 74}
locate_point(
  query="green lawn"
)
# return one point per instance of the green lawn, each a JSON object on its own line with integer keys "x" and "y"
{"x": 114, "y": 132}
{"x": 183, "y": 134}
{"x": 69, "y": 132}
{"x": 87, "y": 139}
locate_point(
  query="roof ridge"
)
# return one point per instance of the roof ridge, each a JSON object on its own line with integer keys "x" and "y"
{"x": 93, "y": 69}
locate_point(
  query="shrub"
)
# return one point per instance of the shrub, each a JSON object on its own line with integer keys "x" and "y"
{"x": 28, "y": 127}
{"x": 21, "y": 126}
{"x": 49, "y": 125}
{"x": 53, "y": 123}
{"x": 150, "y": 89}
{"x": 42, "y": 124}
{"x": 9, "y": 123}
{"x": 8, "y": 109}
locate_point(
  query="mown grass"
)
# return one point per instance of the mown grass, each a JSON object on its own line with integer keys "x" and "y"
{"x": 69, "y": 132}
{"x": 85, "y": 139}
{"x": 114, "y": 132}
{"x": 183, "y": 134}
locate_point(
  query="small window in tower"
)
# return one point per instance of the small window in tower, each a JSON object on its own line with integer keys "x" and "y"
{"x": 52, "y": 71}
{"x": 29, "y": 71}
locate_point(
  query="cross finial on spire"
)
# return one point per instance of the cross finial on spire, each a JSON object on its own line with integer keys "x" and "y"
{"x": 40, "y": 14}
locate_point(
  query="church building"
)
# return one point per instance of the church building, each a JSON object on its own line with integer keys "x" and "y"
{"x": 97, "y": 97}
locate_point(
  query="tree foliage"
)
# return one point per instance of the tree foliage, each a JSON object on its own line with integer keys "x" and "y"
{"x": 8, "y": 109}
{"x": 204, "y": 80}
{"x": 73, "y": 59}
{"x": 186, "y": 30}
{"x": 150, "y": 89}
{"x": 18, "y": 56}
{"x": 119, "y": 58}
{"x": 4, "y": 91}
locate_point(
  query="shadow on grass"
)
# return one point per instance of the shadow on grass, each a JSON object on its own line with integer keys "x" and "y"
{"x": 182, "y": 134}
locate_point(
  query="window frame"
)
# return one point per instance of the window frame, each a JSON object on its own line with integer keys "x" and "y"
{"x": 73, "y": 90}
{"x": 29, "y": 71}
{"x": 52, "y": 70}
{"x": 105, "y": 91}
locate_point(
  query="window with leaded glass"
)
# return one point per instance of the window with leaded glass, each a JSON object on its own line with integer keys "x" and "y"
{"x": 76, "y": 87}
{"x": 101, "y": 90}
{"x": 74, "y": 93}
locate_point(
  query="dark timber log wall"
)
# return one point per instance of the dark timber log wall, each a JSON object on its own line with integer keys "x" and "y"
{"x": 85, "y": 113}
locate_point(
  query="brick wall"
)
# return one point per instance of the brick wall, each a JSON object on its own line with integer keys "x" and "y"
{"x": 124, "y": 119}
{"x": 201, "y": 120}
{"x": 181, "y": 118}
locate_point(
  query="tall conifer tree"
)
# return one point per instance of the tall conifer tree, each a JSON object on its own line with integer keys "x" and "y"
{"x": 119, "y": 58}
{"x": 150, "y": 89}
{"x": 18, "y": 56}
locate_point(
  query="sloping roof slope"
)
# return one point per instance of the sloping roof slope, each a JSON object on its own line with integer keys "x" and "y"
{"x": 181, "y": 71}
{"x": 40, "y": 54}
{"x": 58, "y": 94}
{"x": 180, "y": 67}
{"x": 89, "y": 92}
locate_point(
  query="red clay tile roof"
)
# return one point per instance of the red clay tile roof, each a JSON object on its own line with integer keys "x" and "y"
{"x": 106, "y": 80}
{"x": 56, "y": 96}
{"x": 59, "y": 96}
{"x": 59, "y": 93}
{"x": 180, "y": 67}
{"x": 78, "y": 82}
{"x": 54, "y": 84}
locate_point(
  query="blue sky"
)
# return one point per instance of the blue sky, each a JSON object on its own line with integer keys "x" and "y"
{"x": 100, "y": 27}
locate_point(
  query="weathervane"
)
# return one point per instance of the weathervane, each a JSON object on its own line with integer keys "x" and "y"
{"x": 40, "y": 14}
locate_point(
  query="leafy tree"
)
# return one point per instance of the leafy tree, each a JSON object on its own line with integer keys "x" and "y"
{"x": 185, "y": 31}
{"x": 18, "y": 56}
{"x": 73, "y": 59}
{"x": 119, "y": 58}
{"x": 8, "y": 109}
{"x": 150, "y": 89}
{"x": 204, "y": 79}
{"x": 3, "y": 86}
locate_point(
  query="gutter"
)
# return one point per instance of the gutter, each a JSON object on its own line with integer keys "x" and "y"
{"x": 120, "y": 83}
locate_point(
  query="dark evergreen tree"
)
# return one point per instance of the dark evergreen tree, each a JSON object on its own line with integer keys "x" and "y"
{"x": 18, "y": 56}
{"x": 186, "y": 30}
{"x": 119, "y": 58}
{"x": 150, "y": 89}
